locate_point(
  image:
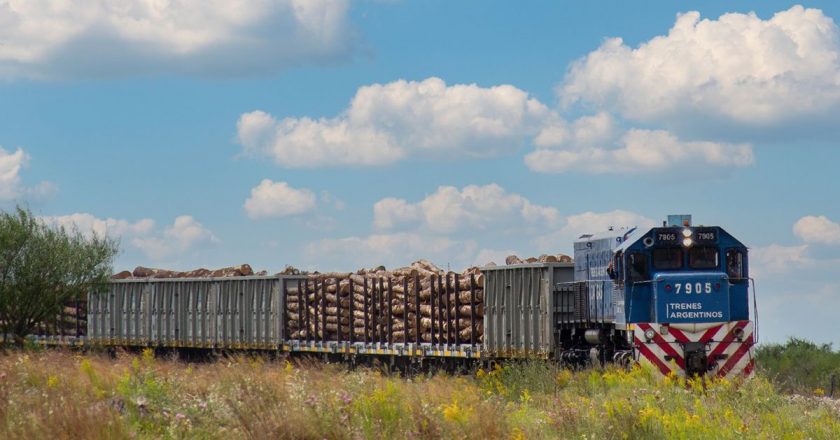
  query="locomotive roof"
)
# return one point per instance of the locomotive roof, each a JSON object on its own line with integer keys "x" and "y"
{"x": 616, "y": 232}
{"x": 638, "y": 233}
{"x": 634, "y": 236}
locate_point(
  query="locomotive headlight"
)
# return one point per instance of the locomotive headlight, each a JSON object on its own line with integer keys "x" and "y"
{"x": 738, "y": 333}
{"x": 686, "y": 232}
{"x": 687, "y": 242}
{"x": 649, "y": 334}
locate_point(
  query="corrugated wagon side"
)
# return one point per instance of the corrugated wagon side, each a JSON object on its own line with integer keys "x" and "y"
{"x": 519, "y": 308}
{"x": 230, "y": 313}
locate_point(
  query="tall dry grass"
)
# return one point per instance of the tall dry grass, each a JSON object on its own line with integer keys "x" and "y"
{"x": 63, "y": 395}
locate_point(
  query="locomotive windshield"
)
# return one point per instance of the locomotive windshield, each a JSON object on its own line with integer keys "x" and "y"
{"x": 667, "y": 258}
{"x": 703, "y": 257}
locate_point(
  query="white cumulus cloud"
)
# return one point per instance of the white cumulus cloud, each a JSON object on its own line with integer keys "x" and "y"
{"x": 470, "y": 240}
{"x": 392, "y": 250}
{"x": 391, "y": 212}
{"x": 817, "y": 229}
{"x": 635, "y": 151}
{"x": 10, "y": 166}
{"x": 590, "y": 222}
{"x": 585, "y": 131}
{"x": 182, "y": 236}
{"x": 776, "y": 258}
{"x": 388, "y": 122}
{"x": 11, "y": 184}
{"x": 89, "y": 224}
{"x": 278, "y": 199}
{"x": 739, "y": 67}
{"x": 813, "y": 231}
{"x": 49, "y": 39}
{"x": 595, "y": 222}
{"x": 474, "y": 206}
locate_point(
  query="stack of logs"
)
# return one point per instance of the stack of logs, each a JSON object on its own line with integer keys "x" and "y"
{"x": 513, "y": 259}
{"x": 72, "y": 321}
{"x": 418, "y": 303}
{"x": 243, "y": 270}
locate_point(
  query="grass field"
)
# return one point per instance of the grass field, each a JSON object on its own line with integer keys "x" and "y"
{"x": 51, "y": 394}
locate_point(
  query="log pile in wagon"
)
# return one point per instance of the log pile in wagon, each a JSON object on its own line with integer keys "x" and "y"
{"x": 417, "y": 303}
{"x": 243, "y": 270}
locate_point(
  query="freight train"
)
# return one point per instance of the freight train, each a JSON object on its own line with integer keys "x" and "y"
{"x": 675, "y": 297}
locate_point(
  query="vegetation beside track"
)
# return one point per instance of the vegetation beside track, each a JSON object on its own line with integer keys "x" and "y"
{"x": 54, "y": 394}
{"x": 800, "y": 366}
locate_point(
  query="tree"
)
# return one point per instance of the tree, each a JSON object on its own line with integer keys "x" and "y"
{"x": 43, "y": 267}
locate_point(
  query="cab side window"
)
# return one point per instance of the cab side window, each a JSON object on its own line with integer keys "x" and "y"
{"x": 614, "y": 269}
{"x": 637, "y": 267}
{"x": 735, "y": 265}
{"x": 619, "y": 265}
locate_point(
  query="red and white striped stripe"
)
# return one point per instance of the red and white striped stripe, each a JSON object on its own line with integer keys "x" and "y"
{"x": 728, "y": 355}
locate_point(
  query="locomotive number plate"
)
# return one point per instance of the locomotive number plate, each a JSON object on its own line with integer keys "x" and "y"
{"x": 690, "y": 288}
{"x": 706, "y": 236}
{"x": 667, "y": 236}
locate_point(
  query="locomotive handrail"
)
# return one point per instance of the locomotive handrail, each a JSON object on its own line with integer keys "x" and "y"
{"x": 755, "y": 310}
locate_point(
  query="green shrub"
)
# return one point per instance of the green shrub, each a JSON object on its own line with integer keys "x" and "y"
{"x": 800, "y": 366}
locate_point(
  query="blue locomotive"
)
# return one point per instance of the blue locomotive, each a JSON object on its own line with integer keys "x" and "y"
{"x": 676, "y": 297}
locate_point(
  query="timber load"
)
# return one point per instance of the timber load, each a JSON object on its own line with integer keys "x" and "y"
{"x": 243, "y": 270}
{"x": 417, "y": 303}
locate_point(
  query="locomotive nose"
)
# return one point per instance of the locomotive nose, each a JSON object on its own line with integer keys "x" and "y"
{"x": 691, "y": 297}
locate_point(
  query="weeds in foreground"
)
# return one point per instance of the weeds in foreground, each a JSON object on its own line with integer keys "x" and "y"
{"x": 60, "y": 395}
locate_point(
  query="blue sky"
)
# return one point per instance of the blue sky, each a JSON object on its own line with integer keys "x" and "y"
{"x": 337, "y": 135}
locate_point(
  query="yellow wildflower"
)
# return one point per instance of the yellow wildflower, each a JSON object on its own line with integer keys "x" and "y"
{"x": 148, "y": 356}
{"x": 647, "y": 413}
{"x": 454, "y": 413}
{"x": 819, "y": 392}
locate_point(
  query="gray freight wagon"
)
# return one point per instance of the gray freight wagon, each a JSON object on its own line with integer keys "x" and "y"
{"x": 235, "y": 312}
